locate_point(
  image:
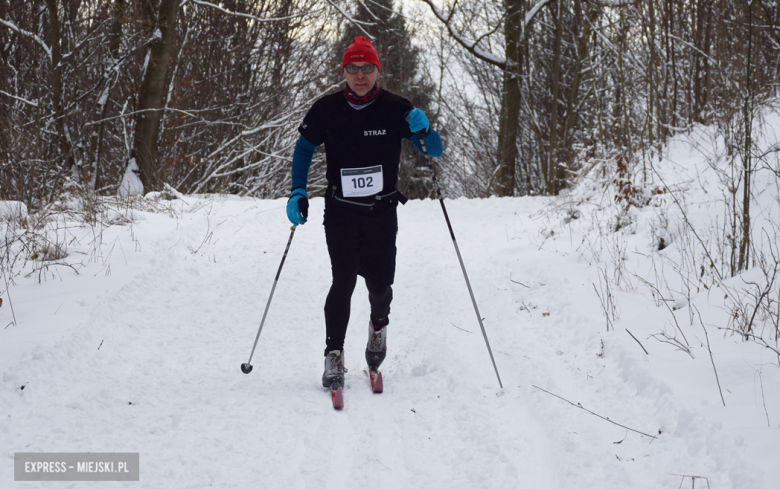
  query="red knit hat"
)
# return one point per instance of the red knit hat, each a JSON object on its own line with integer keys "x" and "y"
{"x": 361, "y": 49}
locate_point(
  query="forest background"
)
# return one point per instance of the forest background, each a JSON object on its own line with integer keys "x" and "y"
{"x": 122, "y": 97}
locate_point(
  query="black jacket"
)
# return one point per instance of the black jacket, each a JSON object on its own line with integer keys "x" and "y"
{"x": 359, "y": 138}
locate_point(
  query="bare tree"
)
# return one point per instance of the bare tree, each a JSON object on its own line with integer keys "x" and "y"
{"x": 151, "y": 97}
{"x": 116, "y": 13}
{"x": 512, "y": 21}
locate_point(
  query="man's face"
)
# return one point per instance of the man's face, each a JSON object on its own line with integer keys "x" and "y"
{"x": 361, "y": 83}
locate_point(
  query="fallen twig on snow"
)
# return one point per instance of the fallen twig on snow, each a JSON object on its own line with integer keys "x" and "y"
{"x": 383, "y": 465}
{"x": 640, "y": 344}
{"x": 518, "y": 283}
{"x": 594, "y": 414}
{"x": 467, "y": 331}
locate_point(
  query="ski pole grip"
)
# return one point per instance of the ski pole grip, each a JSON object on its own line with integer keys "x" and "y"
{"x": 420, "y": 134}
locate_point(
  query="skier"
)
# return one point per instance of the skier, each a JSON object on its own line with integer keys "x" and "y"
{"x": 361, "y": 127}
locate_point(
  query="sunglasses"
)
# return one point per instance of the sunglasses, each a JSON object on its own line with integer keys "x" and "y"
{"x": 353, "y": 69}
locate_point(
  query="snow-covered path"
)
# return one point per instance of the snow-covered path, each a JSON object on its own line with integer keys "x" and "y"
{"x": 153, "y": 365}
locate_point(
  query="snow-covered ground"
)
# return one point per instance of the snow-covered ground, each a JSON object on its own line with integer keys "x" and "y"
{"x": 137, "y": 348}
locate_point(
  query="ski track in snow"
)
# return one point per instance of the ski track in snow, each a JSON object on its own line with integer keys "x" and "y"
{"x": 166, "y": 382}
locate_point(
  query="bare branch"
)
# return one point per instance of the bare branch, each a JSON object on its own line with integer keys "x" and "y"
{"x": 23, "y": 32}
{"x": 640, "y": 344}
{"x": 356, "y": 22}
{"x": 253, "y": 17}
{"x": 471, "y": 47}
{"x": 34, "y": 104}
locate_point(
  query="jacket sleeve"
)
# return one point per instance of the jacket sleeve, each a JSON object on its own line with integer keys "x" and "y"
{"x": 301, "y": 162}
{"x": 313, "y": 125}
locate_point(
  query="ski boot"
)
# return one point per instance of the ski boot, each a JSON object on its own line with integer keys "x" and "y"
{"x": 377, "y": 343}
{"x": 334, "y": 369}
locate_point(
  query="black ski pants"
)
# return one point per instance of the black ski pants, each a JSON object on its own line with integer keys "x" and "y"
{"x": 359, "y": 243}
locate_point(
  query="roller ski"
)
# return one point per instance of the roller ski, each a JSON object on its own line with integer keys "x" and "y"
{"x": 376, "y": 350}
{"x": 333, "y": 377}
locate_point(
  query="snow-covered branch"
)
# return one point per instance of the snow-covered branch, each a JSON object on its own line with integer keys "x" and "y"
{"x": 31, "y": 35}
{"x": 20, "y": 99}
{"x": 471, "y": 46}
{"x": 359, "y": 24}
{"x": 253, "y": 17}
{"x": 529, "y": 16}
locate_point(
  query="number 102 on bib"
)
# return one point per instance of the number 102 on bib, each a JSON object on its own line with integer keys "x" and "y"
{"x": 362, "y": 182}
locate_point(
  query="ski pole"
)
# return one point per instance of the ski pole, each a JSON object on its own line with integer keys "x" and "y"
{"x": 247, "y": 367}
{"x": 457, "y": 251}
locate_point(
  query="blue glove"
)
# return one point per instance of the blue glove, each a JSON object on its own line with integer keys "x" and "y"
{"x": 417, "y": 120}
{"x": 298, "y": 207}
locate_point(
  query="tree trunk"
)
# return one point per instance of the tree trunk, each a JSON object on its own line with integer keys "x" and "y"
{"x": 625, "y": 109}
{"x": 509, "y": 122}
{"x": 707, "y": 82}
{"x": 152, "y": 94}
{"x": 697, "y": 61}
{"x": 96, "y": 140}
{"x": 56, "y": 81}
{"x": 532, "y": 163}
{"x": 651, "y": 89}
{"x": 672, "y": 50}
{"x": 556, "y": 83}
{"x": 583, "y": 20}
{"x": 744, "y": 246}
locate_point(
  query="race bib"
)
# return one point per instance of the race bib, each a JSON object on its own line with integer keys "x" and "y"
{"x": 361, "y": 182}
